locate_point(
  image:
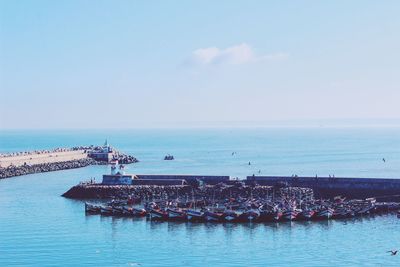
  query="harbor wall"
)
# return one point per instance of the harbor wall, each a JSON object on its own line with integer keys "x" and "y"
{"x": 190, "y": 179}
{"x": 384, "y": 189}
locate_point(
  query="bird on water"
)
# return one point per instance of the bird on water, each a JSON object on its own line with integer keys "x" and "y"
{"x": 392, "y": 252}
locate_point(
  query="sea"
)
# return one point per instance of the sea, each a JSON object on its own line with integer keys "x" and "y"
{"x": 39, "y": 227}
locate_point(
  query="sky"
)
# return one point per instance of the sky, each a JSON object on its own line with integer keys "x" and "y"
{"x": 127, "y": 64}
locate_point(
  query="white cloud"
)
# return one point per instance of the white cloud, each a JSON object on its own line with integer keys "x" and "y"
{"x": 234, "y": 55}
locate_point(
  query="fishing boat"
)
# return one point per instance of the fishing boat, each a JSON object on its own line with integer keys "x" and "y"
{"x": 139, "y": 212}
{"x": 306, "y": 215}
{"x": 290, "y": 214}
{"x": 210, "y": 216}
{"x": 158, "y": 214}
{"x": 118, "y": 210}
{"x": 176, "y": 214}
{"x": 93, "y": 209}
{"x": 229, "y": 216}
{"x": 250, "y": 215}
{"x": 106, "y": 210}
{"x": 324, "y": 214}
{"x": 133, "y": 212}
{"x": 194, "y": 215}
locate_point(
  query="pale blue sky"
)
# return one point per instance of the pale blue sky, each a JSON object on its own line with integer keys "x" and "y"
{"x": 123, "y": 64}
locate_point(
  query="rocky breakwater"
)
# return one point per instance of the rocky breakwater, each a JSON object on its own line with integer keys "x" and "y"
{"x": 12, "y": 170}
{"x": 88, "y": 190}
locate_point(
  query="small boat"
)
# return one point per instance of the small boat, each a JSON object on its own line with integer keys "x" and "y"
{"x": 290, "y": 214}
{"x": 194, "y": 215}
{"x": 158, "y": 214}
{"x": 266, "y": 216}
{"x": 249, "y": 215}
{"x": 139, "y": 212}
{"x": 210, "y": 216}
{"x": 229, "y": 216}
{"x": 325, "y": 214}
{"x": 93, "y": 209}
{"x": 365, "y": 210}
{"x": 133, "y": 212}
{"x": 342, "y": 213}
{"x": 176, "y": 214}
{"x": 118, "y": 210}
{"x": 307, "y": 215}
{"x": 106, "y": 210}
{"x": 169, "y": 157}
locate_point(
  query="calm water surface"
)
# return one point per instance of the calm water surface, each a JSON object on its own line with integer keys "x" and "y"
{"x": 40, "y": 228}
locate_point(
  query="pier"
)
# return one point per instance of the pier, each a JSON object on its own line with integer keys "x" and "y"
{"x": 328, "y": 187}
{"x": 38, "y": 161}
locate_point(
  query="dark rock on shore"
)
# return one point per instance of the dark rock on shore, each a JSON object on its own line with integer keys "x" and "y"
{"x": 46, "y": 167}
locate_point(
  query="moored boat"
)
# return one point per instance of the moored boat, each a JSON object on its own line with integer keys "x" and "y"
{"x": 324, "y": 214}
{"x": 106, "y": 210}
{"x": 158, "y": 214}
{"x": 194, "y": 215}
{"x": 249, "y": 215}
{"x": 93, "y": 209}
{"x": 230, "y": 216}
{"x": 176, "y": 214}
{"x": 290, "y": 214}
{"x": 307, "y": 215}
{"x": 210, "y": 216}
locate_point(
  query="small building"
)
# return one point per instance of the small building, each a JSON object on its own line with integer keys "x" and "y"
{"x": 117, "y": 177}
{"x": 104, "y": 154}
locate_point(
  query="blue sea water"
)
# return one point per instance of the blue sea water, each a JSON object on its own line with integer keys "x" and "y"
{"x": 38, "y": 227}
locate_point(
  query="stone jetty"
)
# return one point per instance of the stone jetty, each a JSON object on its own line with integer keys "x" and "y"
{"x": 11, "y": 171}
{"x": 22, "y": 163}
{"x": 217, "y": 192}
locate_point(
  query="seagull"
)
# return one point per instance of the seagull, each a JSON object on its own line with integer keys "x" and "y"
{"x": 393, "y": 252}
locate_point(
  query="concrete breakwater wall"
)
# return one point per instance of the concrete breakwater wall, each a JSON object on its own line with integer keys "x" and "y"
{"x": 190, "y": 179}
{"x": 11, "y": 171}
{"x": 327, "y": 187}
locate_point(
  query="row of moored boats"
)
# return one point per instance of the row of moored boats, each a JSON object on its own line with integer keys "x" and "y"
{"x": 263, "y": 213}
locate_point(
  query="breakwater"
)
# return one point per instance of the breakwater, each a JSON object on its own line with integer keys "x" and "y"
{"x": 328, "y": 187}
{"x": 148, "y": 192}
{"x": 194, "y": 180}
{"x": 28, "y": 162}
{"x": 11, "y": 171}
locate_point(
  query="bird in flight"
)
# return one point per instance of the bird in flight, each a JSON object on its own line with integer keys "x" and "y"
{"x": 383, "y": 159}
{"x": 392, "y": 252}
